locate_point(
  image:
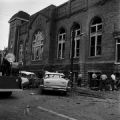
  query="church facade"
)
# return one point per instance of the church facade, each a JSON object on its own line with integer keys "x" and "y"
{"x": 45, "y": 41}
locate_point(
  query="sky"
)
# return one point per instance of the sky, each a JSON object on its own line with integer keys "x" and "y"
{"x": 10, "y": 7}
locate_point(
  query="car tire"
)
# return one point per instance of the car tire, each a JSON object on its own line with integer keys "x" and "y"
{"x": 8, "y": 94}
{"x": 65, "y": 93}
{"x": 40, "y": 91}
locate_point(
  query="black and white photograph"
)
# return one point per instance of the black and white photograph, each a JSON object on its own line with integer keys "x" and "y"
{"x": 59, "y": 59}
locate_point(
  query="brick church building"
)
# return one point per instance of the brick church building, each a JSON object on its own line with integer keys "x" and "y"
{"x": 43, "y": 41}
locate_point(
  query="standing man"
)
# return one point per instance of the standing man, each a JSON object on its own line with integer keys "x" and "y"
{"x": 103, "y": 81}
{"x": 79, "y": 81}
{"x": 113, "y": 82}
{"x": 6, "y": 67}
{"x": 94, "y": 78}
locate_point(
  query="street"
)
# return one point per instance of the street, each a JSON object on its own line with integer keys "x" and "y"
{"x": 30, "y": 105}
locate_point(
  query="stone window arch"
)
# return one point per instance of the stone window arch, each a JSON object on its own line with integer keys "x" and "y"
{"x": 61, "y": 43}
{"x": 96, "y": 27}
{"x": 37, "y": 45}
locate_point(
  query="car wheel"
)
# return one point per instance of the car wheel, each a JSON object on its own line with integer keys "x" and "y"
{"x": 40, "y": 90}
{"x": 64, "y": 93}
{"x": 8, "y": 94}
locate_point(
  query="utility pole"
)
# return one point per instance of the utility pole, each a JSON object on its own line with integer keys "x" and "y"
{"x": 72, "y": 52}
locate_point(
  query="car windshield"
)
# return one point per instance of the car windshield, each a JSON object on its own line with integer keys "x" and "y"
{"x": 27, "y": 74}
{"x": 53, "y": 76}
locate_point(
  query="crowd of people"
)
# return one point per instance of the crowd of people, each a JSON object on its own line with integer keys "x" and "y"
{"x": 102, "y": 81}
{"x": 105, "y": 82}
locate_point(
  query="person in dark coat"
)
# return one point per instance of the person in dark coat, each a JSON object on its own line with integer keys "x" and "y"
{"x": 103, "y": 81}
{"x": 79, "y": 81}
{"x": 6, "y": 67}
{"x": 113, "y": 82}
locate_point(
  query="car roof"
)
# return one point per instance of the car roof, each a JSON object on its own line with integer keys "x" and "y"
{"x": 27, "y": 73}
{"x": 53, "y": 73}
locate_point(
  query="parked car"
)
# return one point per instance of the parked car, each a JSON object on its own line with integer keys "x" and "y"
{"x": 29, "y": 79}
{"x": 55, "y": 82}
{"x": 24, "y": 82}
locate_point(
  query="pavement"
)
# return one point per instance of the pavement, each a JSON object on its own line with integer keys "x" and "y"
{"x": 114, "y": 95}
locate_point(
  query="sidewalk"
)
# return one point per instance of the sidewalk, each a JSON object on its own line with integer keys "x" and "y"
{"x": 98, "y": 94}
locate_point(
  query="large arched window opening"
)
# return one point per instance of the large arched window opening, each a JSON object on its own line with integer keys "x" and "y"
{"x": 21, "y": 52}
{"x": 37, "y": 46}
{"x": 26, "y": 46}
{"x": 61, "y": 43}
{"x": 96, "y": 36}
{"x": 76, "y": 41}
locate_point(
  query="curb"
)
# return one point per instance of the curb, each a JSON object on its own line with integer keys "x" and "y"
{"x": 90, "y": 93}
{"x": 113, "y": 95}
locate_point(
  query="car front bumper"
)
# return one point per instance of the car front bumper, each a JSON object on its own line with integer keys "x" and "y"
{"x": 55, "y": 88}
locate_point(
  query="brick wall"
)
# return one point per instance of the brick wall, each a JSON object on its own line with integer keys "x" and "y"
{"x": 83, "y": 17}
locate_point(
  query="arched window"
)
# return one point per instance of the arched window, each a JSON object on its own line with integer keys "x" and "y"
{"x": 76, "y": 41}
{"x": 20, "y": 52}
{"x": 96, "y": 36}
{"x": 26, "y": 47}
{"x": 61, "y": 43}
{"x": 37, "y": 46}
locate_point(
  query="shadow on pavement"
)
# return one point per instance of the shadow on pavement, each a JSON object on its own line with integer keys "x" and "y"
{"x": 56, "y": 93}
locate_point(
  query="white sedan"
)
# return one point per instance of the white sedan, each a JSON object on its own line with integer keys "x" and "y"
{"x": 55, "y": 82}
